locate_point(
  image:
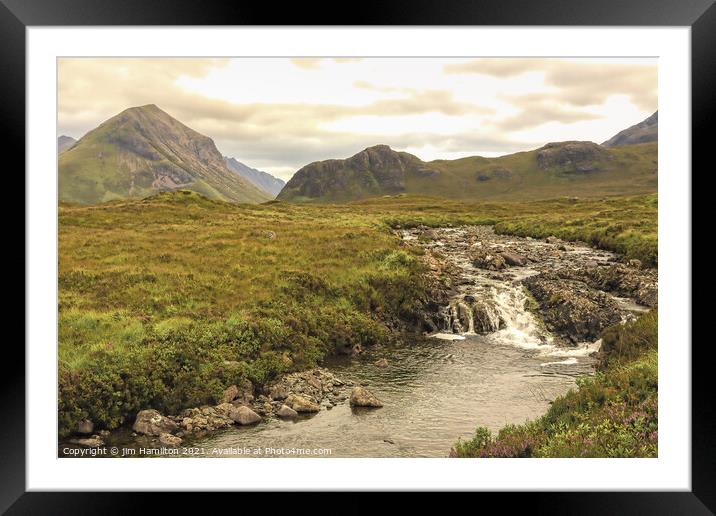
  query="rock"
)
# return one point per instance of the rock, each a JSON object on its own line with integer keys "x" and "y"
{"x": 562, "y": 247}
{"x": 169, "y": 440}
{"x": 381, "y": 362}
{"x": 246, "y": 391}
{"x": 486, "y": 259}
{"x": 634, "y": 263}
{"x": 313, "y": 382}
{"x": 572, "y": 308}
{"x": 230, "y": 394}
{"x": 278, "y": 392}
{"x": 301, "y": 404}
{"x": 514, "y": 259}
{"x": 486, "y": 318}
{"x": 362, "y": 397}
{"x": 573, "y": 157}
{"x": 151, "y": 422}
{"x": 224, "y": 408}
{"x": 85, "y": 427}
{"x": 286, "y": 412}
{"x": 244, "y": 415}
{"x": 551, "y": 239}
{"x": 590, "y": 264}
{"x": 90, "y": 442}
{"x": 639, "y": 284}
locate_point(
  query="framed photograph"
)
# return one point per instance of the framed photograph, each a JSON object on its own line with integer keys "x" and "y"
{"x": 446, "y": 249}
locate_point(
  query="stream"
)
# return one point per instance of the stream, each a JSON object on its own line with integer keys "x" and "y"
{"x": 437, "y": 389}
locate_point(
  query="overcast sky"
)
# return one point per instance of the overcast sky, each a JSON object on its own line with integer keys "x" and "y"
{"x": 278, "y": 114}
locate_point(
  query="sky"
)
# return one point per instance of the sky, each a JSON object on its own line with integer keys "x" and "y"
{"x": 279, "y": 114}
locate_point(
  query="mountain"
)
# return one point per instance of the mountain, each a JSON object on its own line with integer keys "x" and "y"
{"x": 557, "y": 169}
{"x": 142, "y": 151}
{"x": 263, "y": 180}
{"x": 643, "y": 132}
{"x": 64, "y": 143}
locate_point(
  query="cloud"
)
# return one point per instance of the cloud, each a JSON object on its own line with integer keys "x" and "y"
{"x": 312, "y": 63}
{"x": 579, "y": 83}
{"x": 537, "y": 109}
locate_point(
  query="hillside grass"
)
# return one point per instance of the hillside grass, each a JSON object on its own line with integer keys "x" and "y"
{"x": 612, "y": 414}
{"x": 164, "y": 302}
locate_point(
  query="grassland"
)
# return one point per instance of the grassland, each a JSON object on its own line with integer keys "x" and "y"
{"x": 165, "y": 301}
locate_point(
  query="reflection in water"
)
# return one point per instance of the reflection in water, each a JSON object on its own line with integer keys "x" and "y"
{"x": 433, "y": 391}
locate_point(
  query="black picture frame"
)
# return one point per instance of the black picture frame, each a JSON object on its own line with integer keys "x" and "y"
{"x": 700, "y": 15}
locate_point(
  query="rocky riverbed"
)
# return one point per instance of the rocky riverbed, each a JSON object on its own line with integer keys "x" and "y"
{"x": 512, "y": 323}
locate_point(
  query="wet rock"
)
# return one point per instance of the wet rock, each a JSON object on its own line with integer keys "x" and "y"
{"x": 381, "y": 362}
{"x": 244, "y": 415}
{"x": 514, "y": 259}
{"x": 464, "y": 315}
{"x": 486, "y": 318}
{"x": 85, "y": 427}
{"x": 301, "y": 404}
{"x": 90, "y": 442}
{"x": 487, "y": 259}
{"x": 230, "y": 394}
{"x": 169, "y": 440}
{"x": 639, "y": 284}
{"x": 571, "y": 308}
{"x": 151, "y": 422}
{"x": 286, "y": 412}
{"x": 362, "y": 397}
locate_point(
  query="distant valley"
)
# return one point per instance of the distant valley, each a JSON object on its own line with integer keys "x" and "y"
{"x": 263, "y": 180}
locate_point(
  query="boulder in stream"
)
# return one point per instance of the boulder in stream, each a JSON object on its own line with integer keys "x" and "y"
{"x": 301, "y": 404}
{"x": 514, "y": 259}
{"x": 286, "y": 412}
{"x": 244, "y": 415}
{"x": 362, "y": 397}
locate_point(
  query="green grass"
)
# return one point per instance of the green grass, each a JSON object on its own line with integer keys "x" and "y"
{"x": 613, "y": 414}
{"x": 163, "y": 302}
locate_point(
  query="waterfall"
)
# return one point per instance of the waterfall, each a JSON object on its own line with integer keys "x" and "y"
{"x": 492, "y": 309}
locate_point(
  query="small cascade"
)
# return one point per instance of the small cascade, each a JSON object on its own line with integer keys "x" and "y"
{"x": 496, "y": 308}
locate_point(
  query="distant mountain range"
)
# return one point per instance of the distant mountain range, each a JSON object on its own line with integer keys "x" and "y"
{"x": 142, "y": 151}
{"x": 263, "y": 180}
{"x": 572, "y": 168}
{"x": 643, "y": 132}
{"x": 64, "y": 143}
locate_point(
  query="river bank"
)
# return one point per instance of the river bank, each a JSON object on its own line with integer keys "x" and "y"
{"x": 492, "y": 286}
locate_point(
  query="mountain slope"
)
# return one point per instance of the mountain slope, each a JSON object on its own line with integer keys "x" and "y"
{"x": 142, "y": 151}
{"x": 263, "y": 180}
{"x": 643, "y": 132}
{"x": 64, "y": 143}
{"x": 557, "y": 169}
